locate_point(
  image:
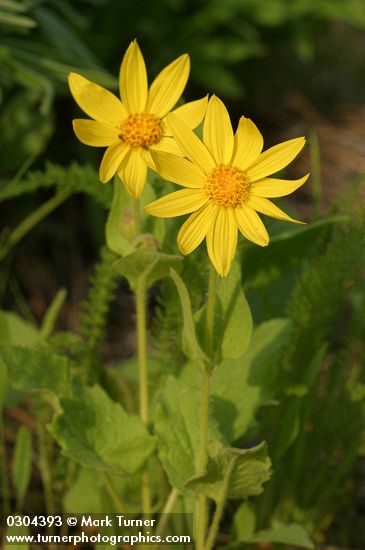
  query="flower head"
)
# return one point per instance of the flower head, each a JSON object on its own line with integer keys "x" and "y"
{"x": 227, "y": 183}
{"x": 135, "y": 125}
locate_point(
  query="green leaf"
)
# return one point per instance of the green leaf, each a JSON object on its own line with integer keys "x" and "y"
{"x": 288, "y": 248}
{"x": 292, "y": 535}
{"x": 63, "y": 37}
{"x": 37, "y": 369}
{"x": 96, "y": 432}
{"x": 145, "y": 266}
{"x": 14, "y": 331}
{"x": 19, "y": 21}
{"x": 190, "y": 340}
{"x": 120, "y": 224}
{"x": 177, "y": 431}
{"x": 244, "y": 522}
{"x": 243, "y": 385}
{"x": 233, "y": 322}
{"x": 84, "y": 495}
{"x": 246, "y": 469}
{"x": 289, "y": 427}
{"x": 52, "y": 313}
{"x": 290, "y": 421}
{"x": 269, "y": 273}
{"x": 22, "y": 464}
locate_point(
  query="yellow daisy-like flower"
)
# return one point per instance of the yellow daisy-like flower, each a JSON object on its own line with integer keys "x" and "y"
{"x": 134, "y": 125}
{"x": 227, "y": 183}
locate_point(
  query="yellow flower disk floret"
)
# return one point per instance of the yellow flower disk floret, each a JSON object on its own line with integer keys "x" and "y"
{"x": 141, "y": 130}
{"x": 227, "y": 186}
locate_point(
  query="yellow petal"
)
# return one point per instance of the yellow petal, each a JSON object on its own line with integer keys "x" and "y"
{"x": 274, "y": 159}
{"x": 271, "y": 187}
{"x": 146, "y": 156}
{"x": 178, "y": 203}
{"x": 222, "y": 240}
{"x": 251, "y": 226}
{"x": 192, "y": 113}
{"x": 178, "y": 170}
{"x": 190, "y": 144}
{"x": 168, "y": 145}
{"x": 217, "y": 132}
{"x": 267, "y": 207}
{"x": 193, "y": 231}
{"x": 168, "y": 86}
{"x": 133, "y": 84}
{"x": 94, "y": 133}
{"x": 248, "y": 144}
{"x": 133, "y": 173}
{"x": 96, "y": 101}
{"x": 112, "y": 159}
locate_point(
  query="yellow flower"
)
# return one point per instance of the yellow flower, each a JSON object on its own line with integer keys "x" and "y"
{"x": 135, "y": 125}
{"x": 226, "y": 184}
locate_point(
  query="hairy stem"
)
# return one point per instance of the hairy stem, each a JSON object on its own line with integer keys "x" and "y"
{"x": 141, "y": 311}
{"x": 209, "y": 325}
{"x": 213, "y": 531}
{"x": 165, "y": 514}
{"x": 201, "y": 503}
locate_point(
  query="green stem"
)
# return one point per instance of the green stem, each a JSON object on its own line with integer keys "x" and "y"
{"x": 113, "y": 493}
{"x": 141, "y": 299}
{"x": 70, "y": 473}
{"x": 209, "y": 325}
{"x": 4, "y": 468}
{"x": 219, "y": 508}
{"x": 165, "y": 514}
{"x": 201, "y": 504}
{"x": 33, "y": 219}
{"x": 44, "y": 467}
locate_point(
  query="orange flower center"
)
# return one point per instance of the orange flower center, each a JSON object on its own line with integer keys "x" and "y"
{"x": 141, "y": 130}
{"x": 227, "y": 186}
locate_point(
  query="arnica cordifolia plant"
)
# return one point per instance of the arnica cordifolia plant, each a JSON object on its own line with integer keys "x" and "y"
{"x": 227, "y": 183}
{"x": 135, "y": 125}
{"x": 226, "y": 180}
{"x": 164, "y": 436}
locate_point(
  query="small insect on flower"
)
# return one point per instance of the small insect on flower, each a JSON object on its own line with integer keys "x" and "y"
{"x": 135, "y": 125}
{"x": 226, "y": 183}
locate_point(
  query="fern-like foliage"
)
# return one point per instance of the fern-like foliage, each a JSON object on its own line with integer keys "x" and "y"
{"x": 74, "y": 178}
{"x": 93, "y": 322}
{"x": 319, "y": 421}
{"x": 321, "y": 291}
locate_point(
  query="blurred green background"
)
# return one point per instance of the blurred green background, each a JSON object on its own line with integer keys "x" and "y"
{"x": 294, "y": 66}
{"x": 256, "y": 55}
